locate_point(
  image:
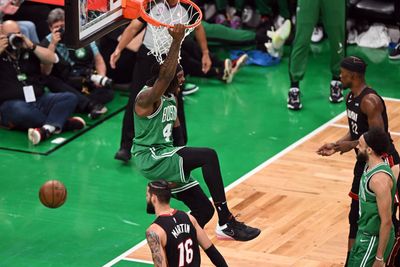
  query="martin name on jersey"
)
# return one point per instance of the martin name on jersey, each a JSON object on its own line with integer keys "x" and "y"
{"x": 180, "y": 228}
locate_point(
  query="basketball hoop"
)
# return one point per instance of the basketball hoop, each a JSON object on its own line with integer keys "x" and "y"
{"x": 160, "y": 16}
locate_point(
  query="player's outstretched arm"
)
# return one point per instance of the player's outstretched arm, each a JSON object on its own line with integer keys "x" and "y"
{"x": 129, "y": 33}
{"x": 146, "y": 99}
{"x": 342, "y": 145}
{"x": 216, "y": 258}
{"x": 155, "y": 241}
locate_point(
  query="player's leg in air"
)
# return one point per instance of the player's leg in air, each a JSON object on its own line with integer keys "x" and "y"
{"x": 228, "y": 227}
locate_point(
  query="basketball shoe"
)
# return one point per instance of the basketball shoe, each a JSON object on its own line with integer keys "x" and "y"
{"x": 36, "y": 135}
{"x": 395, "y": 53}
{"x": 236, "y": 22}
{"x": 317, "y": 35}
{"x": 227, "y": 76}
{"x": 278, "y": 39}
{"x": 74, "y": 124}
{"x": 336, "y": 95}
{"x": 239, "y": 62}
{"x": 96, "y": 110}
{"x": 294, "y": 99}
{"x": 123, "y": 154}
{"x": 189, "y": 88}
{"x": 235, "y": 230}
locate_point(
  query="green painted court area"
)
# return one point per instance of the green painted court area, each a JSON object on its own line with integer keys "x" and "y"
{"x": 246, "y": 122}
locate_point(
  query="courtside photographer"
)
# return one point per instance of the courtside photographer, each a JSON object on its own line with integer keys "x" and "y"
{"x": 80, "y": 71}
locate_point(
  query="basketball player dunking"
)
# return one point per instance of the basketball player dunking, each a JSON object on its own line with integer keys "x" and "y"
{"x": 155, "y": 156}
{"x": 365, "y": 109}
{"x": 174, "y": 237}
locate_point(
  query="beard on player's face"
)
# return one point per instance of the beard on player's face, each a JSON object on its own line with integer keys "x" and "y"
{"x": 150, "y": 208}
{"x": 362, "y": 156}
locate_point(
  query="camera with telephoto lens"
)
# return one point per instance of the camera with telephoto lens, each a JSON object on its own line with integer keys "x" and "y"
{"x": 101, "y": 80}
{"x": 16, "y": 42}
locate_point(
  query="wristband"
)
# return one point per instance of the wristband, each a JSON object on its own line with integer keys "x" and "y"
{"x": 379, "y": 259}
{"x": 215, "y": 257}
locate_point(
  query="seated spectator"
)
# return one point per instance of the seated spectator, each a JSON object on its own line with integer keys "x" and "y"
{"x": 270, "y": 41}
{"x": 28, "y": 28}
{"x": 223, "y": 70}
{"x": 23, "y": 103}
{"x": 79, "y": 71}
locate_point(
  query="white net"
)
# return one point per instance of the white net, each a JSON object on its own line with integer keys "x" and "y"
{"x": 161, "y": 11}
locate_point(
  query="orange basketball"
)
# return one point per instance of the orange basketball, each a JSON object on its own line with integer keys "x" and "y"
{"x": 53, "y": 194}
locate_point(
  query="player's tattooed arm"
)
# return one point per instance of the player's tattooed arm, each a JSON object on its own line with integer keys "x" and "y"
{"x": 157, "y": 252}
{"x": 167, "y": 71}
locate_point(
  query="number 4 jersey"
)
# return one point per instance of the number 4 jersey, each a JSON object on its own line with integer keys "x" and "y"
{"x": 182, "y": 248}
{"x": 156, "y": 130}
{"x": 153, "y": 152}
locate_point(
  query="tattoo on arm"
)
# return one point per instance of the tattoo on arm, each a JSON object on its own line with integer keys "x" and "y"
{"x": 155, "y": 246}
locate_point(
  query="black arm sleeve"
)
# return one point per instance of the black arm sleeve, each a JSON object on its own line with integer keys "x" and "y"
{"x": 215, "y": 257}
{"x": 177, "y": 134}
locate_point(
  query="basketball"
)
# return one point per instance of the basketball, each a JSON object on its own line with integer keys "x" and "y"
{"x": 53, "y": 194}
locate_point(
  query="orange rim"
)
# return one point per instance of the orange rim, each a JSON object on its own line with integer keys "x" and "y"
{"x": 157, "y": 23}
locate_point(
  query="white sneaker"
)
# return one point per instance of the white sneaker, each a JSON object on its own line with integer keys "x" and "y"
{"x": 352, "y": 36}
{"x": 36, "y": 135}
{"x": 279, "y": 36}
{"x": 278, "y": 22}
{"x": 228, "y": 75}
{"x": 272, "y": 51}
{"x": 239, "y": 62}
{"x": 317, "y": 35}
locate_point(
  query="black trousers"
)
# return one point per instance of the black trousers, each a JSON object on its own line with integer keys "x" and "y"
{"x": 141, "y": 74}
{"x": 206, "y": 159}
{"x": 191, "y": 61}
{"x": 56, "y": 85}
{"x": 98, "y": 95}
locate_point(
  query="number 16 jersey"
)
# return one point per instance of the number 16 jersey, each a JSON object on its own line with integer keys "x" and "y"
{"x": 182, "y": 248}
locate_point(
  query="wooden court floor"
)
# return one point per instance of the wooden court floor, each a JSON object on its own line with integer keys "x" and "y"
{"x": 298, "y": 199}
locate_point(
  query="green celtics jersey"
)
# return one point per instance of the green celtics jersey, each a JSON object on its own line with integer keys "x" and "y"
{"x": 155, "y": 130}
{"x": 369, "y": 221}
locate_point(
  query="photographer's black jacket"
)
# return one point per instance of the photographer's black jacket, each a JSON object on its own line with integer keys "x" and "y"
{"x": 10, "y": 87}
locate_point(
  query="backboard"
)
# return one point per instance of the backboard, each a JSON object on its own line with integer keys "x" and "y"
{"x": 88, "y": 20}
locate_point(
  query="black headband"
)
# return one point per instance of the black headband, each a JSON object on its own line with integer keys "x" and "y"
{"x": 354, "y": 64}
{"x": 159, "y": 185}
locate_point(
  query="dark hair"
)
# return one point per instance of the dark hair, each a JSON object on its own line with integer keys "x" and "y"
{"x": 354, "y": 64}
{"x": 161, "y": 189}
{"x": 377, "y": 139}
